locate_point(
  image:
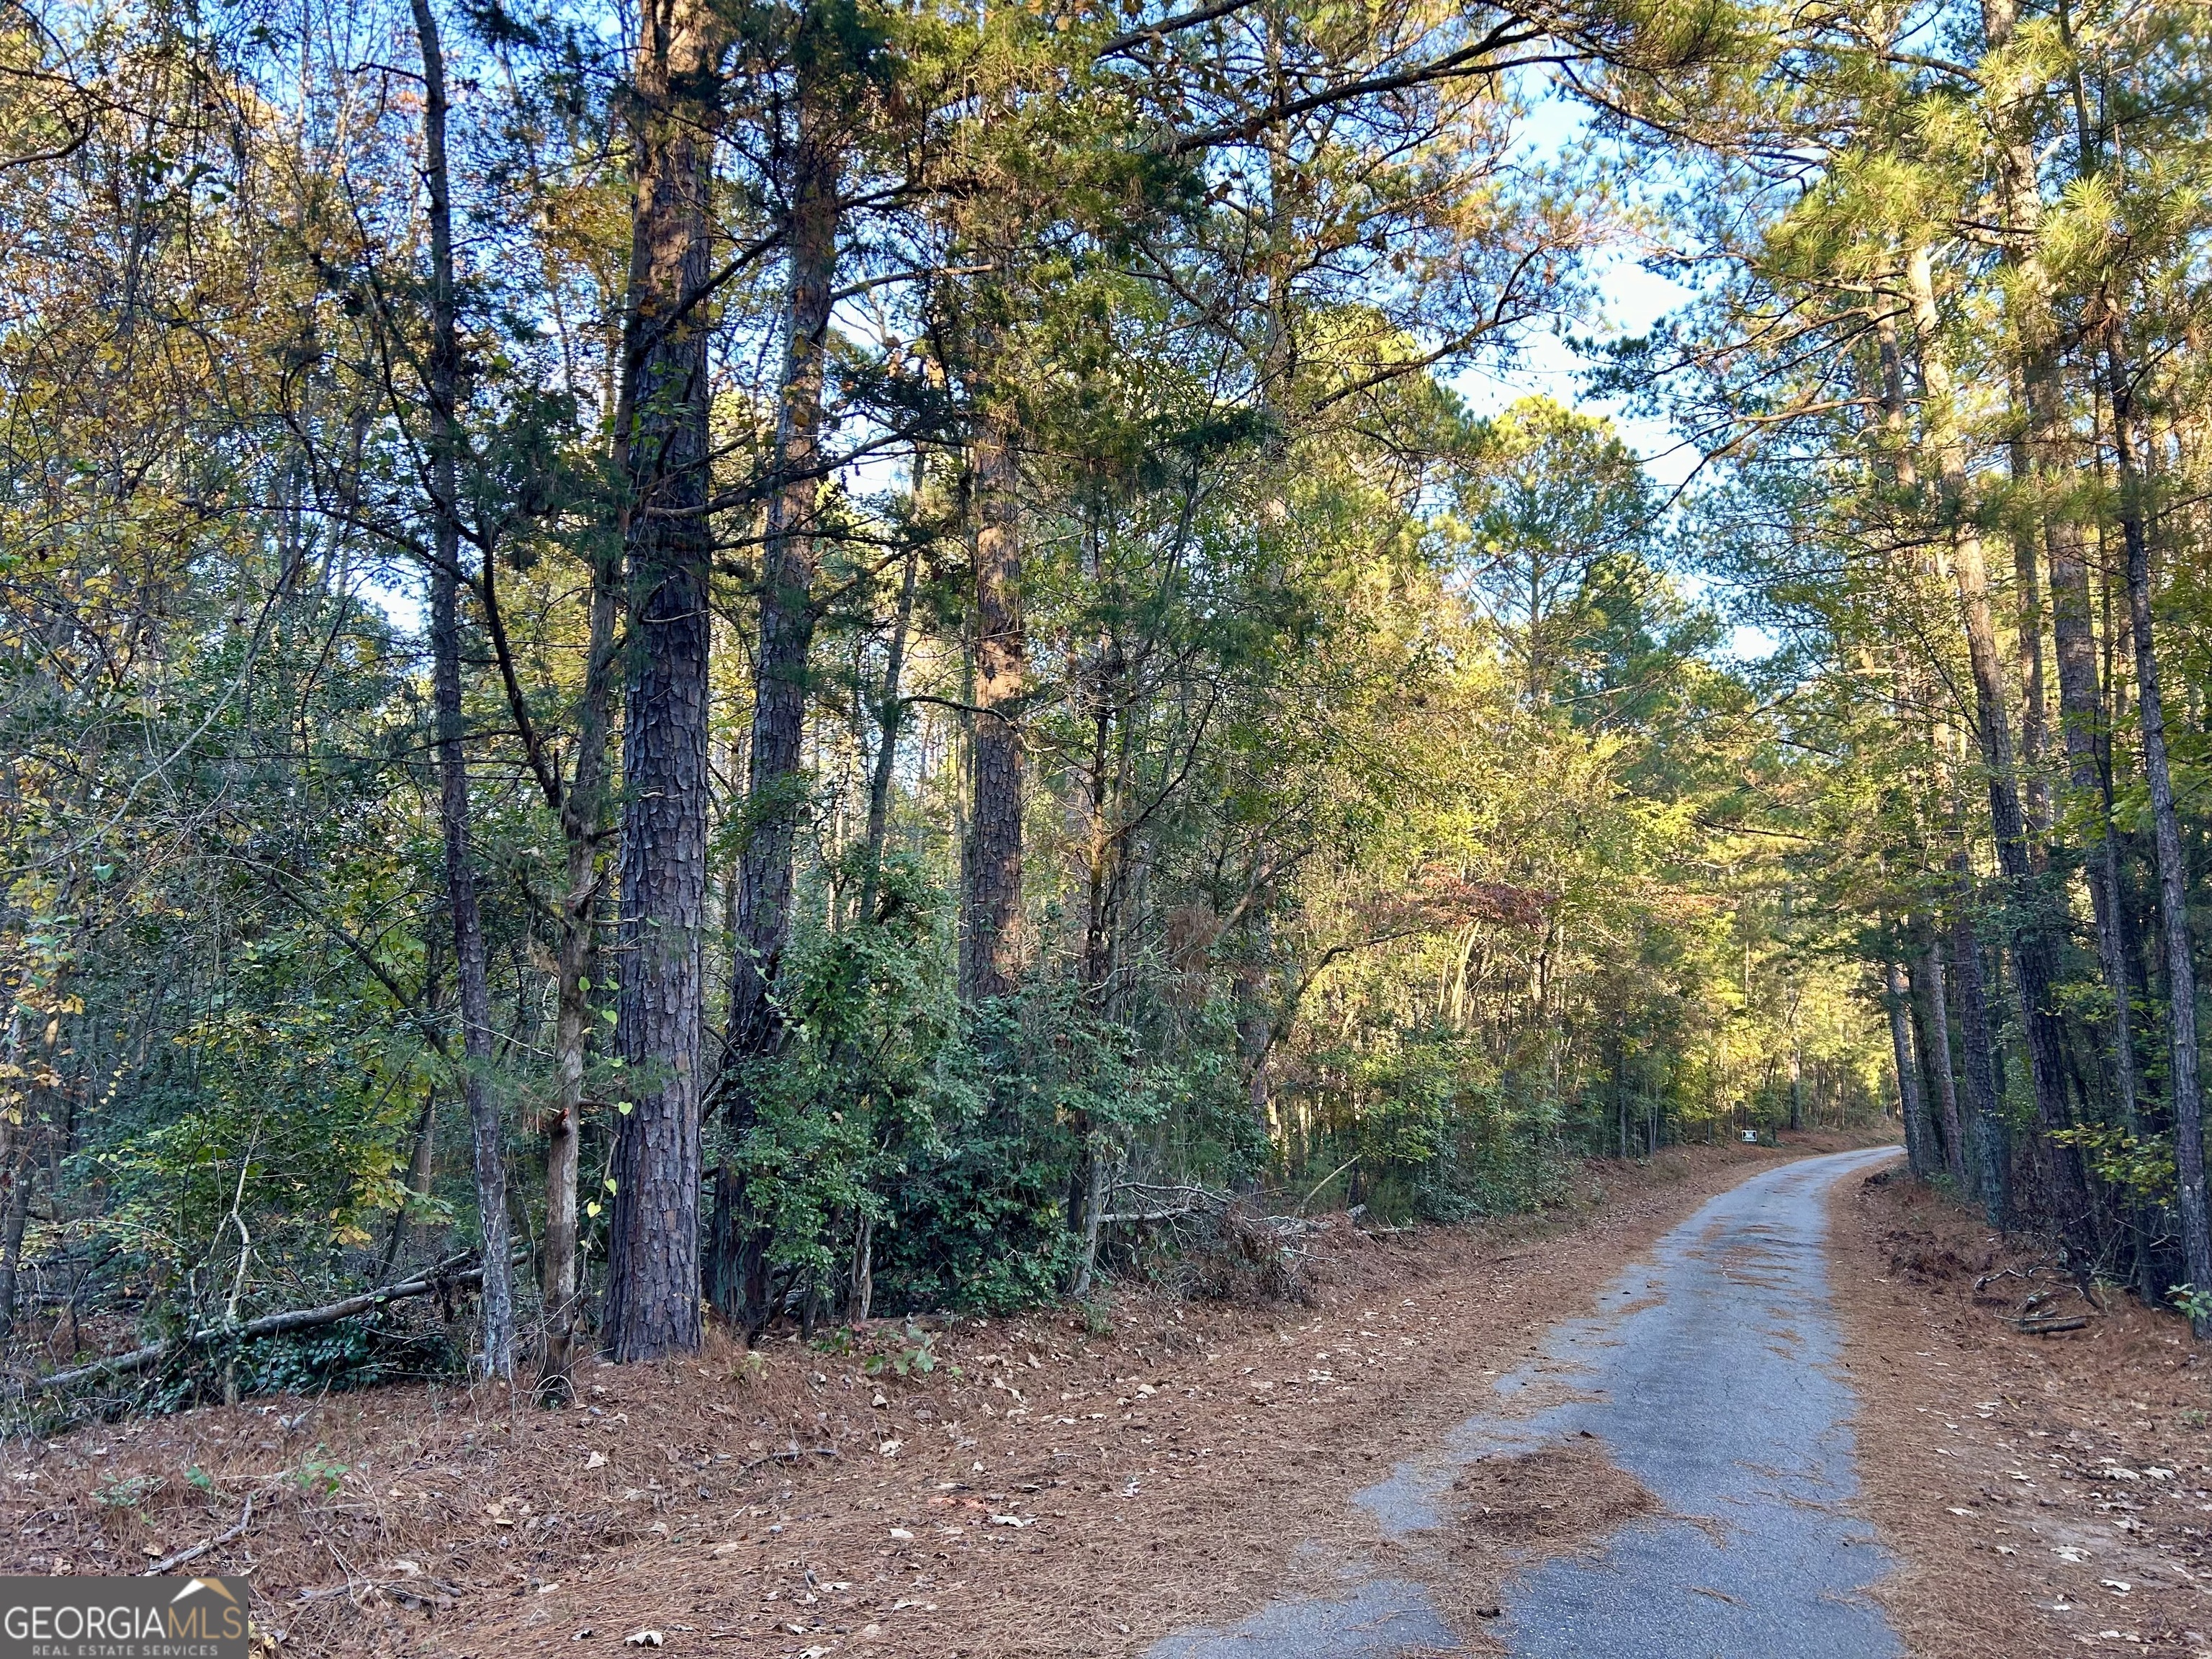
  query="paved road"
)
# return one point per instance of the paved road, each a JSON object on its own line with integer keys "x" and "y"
{"x": 1710, "y": 1372}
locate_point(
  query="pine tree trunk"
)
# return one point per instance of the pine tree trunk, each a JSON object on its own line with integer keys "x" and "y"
{"x": 888, "y": 707}
{"x": 22, "y": 1165}
{"x": 2013, "y": 110}
{"x": 789, "y": 556}
{"x": 1936, "y": 1026}
{"x": 2080, "y": 704}
{"x": 485, "y": 1135}
{"x": 2027, "y": 589}
{"x": 583, "y": 822}
{"x": 652, "y": 1261}
{"x": 991, "y": 868}
{"x": 2187, "y": 1088}
{"x": 775, "y": 784}
{"x": 1992, "y": 1144}
{"x": 1908, "y": 1075}
{"x": 2033, "y": 954}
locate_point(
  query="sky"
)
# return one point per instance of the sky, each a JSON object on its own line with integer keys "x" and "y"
{"x": 1627, "y": 301}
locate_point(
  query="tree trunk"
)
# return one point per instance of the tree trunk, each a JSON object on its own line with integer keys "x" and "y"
{"x": 2081, "y": 720}
{"x": 485, "y": 1136}
{"x": 1935, "y": 1027}
{"x": 583, "y": 825}
{"x": 991, "y": 869}
{"x": 887, "y": 706}
{"x": 418, "y": 1179}
{"x": 2187, "y": 1088}
{"x": 22, "y": 1163}
{"x": 2027, "y": 589}
{"x": 2080, "y": 704}
{"x": 861, "y": 1294}
{"x": 1908, "y": 1073}
{"x": 2028, "y": 297}
{"x": 790, "y": 552}
{"x": 2032, "y": 950}
{"x": 653, "y": 1261}
{"x": 1992, "y": 1144}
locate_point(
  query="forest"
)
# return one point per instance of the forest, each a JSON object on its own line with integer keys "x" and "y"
{"x": 785, "y": 662}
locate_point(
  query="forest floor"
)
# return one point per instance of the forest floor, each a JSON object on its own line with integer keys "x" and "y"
{"x": 2041, "y": 1493}
{"x": 1053, "y": 1487}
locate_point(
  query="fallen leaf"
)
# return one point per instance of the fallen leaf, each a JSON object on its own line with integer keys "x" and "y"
{"x": 596, "y": 1461}
{"x": 902, "y": 1535}
{"x": 1012, "y": 1521}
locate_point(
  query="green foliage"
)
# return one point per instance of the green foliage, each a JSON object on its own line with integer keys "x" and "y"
{"x": 913, "y": 1355}
{"x": 318, "y": 1475}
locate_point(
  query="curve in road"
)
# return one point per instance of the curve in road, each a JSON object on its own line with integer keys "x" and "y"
{"x": 1710, "y": 1371}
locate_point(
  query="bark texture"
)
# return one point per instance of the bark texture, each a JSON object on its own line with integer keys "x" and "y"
{"x": 1935, "y": 1024}
{"x": 1908, "y": 1077}
{"x": 653, "y": 1263}
{"x": 991, "y": 865}
{"x": 1992, "y": 1147}
{"x": 789, "y": 558}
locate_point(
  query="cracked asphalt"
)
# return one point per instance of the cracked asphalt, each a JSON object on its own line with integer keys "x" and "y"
{"x": 1710, "y": 1371}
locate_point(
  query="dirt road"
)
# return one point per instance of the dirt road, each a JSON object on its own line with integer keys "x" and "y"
{"x": 1709, "y": 1379}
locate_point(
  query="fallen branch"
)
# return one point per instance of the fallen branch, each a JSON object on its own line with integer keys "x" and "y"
{"x": 1325, "y": 1180}
{"x": 791, "y": 1455}
{"x": 1129, "y": 1217}
{"x": 277, "y": 1324}
{"x": 196, "y": 1551}
{"x": 2051, "y": 1326}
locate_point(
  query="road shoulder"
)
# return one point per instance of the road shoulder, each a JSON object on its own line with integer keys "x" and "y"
{"x": 2041, "y": 1493}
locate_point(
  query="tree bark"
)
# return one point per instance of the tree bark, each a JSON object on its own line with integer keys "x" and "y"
{"x": 653, "y": 1262}
{"x": 991, "y": 867}
{"x": 888, "y": 711}
{"x": 2013, "y": 111}
{"x": 2187, "y": 1087}
{"x": 1992, "y": 1143}
{"x": 485, "y": 1136}
{"x": 2033, "y": 952}
{"x": 583, "y": 811}
{"x": 1908, "y": 1075}
{"x": 21, "y": 1164}
{"x": 1936, "y": 1026}
{"x": 790, "y": 552}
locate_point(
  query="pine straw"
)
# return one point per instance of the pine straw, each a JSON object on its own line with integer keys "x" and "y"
{"x": 1955, "y": 1402}
{"x": 1165, "y": 1474}
{"x": 1510, "y": 1512}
